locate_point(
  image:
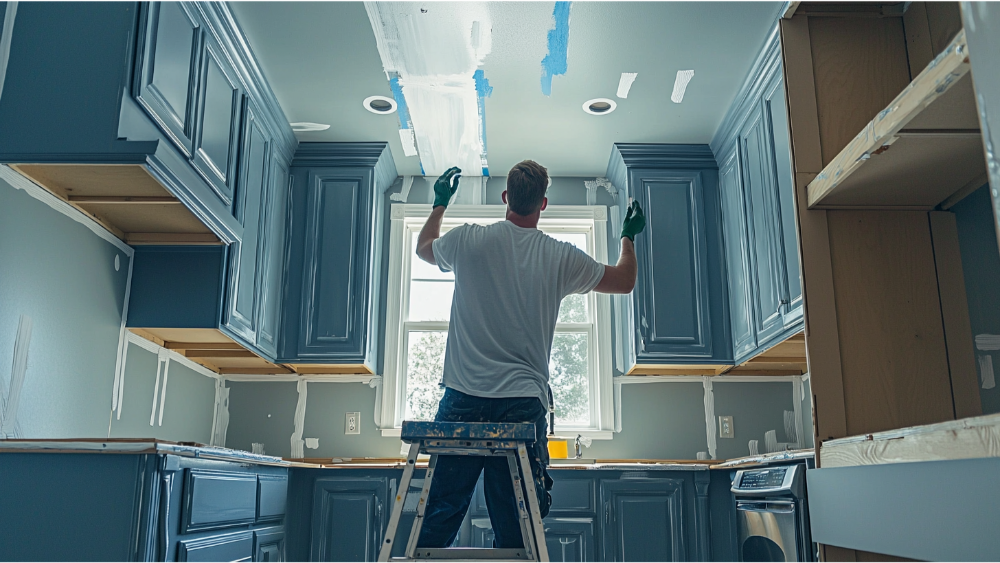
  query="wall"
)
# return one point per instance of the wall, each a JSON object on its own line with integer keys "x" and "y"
{"x": 188, "y": 407}
{"x": 756, "y": 407}
{"x": 59, "y": 272}
{"x": 981, "y": 265}
{"x": 262, "y": 412}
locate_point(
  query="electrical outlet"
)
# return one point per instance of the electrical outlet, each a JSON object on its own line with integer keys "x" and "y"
{"x": 725, "y": 427}
{"x": 353, "y": 425}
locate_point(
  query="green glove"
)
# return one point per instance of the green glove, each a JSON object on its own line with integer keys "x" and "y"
{"x": 634, "y": 223}
{"x": 446, "y": 186}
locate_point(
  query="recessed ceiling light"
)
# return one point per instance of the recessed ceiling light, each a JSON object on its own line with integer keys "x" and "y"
{"x": 306, "y": 126}
{"x": 599, "y": 106}
{"x": 380, "y": 104}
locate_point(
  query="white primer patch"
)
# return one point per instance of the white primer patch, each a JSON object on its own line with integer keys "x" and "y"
{"x": 988, "y": 342}
{"x": 986, "y": 371}
{"x": 220, "y": 419}
{"x": 680, "y": 85}
{"x": 162, "y": 358}
{"x": 298, "y": 450}
{"x": 404, "y": 192}
{"x": 5, "y": 38}
{"x": 408, "y": 141}
{"x": 710, "y": 416}
{"x": 9, "y": 426}
{"x": 312, "y": 443}
{"x": 163, "y": 391}
{"x": 625, "y": 83}
{"x": 435, "y": 54}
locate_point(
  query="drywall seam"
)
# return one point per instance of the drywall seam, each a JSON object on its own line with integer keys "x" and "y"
{"x": 800, "y": 430}
{"x": 986, "y": 371}
{"x": 680, "y": 85}
{"x": 18, "y": 370}
{"x": 625, "y": 83}
{"x": 163, "y": 390}
{"x": 6, "y": 34}
{"x": 710, "y": 415}
{"x": 618, "y": 406}
{"x": 174, "y": 356}
{"x": 220, "y": 420}
{"x": 556, "y": 60}
{"x": 404, "y": 192}
{"x": 988, "y": 342}
{"x": 298, "y": 444}
{"x": 41, "y": 194}
{"x": 161, "y": 357}
{"x": 119, "y": 385}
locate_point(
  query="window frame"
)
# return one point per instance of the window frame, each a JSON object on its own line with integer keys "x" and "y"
{"x": 407, "y": 220}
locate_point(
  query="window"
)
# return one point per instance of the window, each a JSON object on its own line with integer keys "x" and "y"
{"x": 419, "y": 307}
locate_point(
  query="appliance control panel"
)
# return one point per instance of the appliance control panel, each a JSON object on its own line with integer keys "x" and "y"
{"x": 762, "y": 479}
{"x": 781, "y": 480}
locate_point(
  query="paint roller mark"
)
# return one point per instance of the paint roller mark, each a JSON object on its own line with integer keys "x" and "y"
{"x": 554, "y": 62}
{"x": 680, "y": 85}
{"x": 483, "y": 91}
{"x": 625, "y": 83}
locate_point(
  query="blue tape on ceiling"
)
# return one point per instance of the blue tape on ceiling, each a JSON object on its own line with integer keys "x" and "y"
{"x": 483, "y": 91}
{"x": 554, "y": 62}
{"x": 401, "y": 109}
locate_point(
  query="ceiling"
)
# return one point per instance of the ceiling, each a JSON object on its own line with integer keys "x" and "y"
{"x": 322, "y": 60}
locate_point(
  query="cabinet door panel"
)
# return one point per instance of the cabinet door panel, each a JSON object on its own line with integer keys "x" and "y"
{"x": 762, "y": 223}
{"x": 737, "y": 256}
{"x": 227, "y": 547}
{"x": 269, "y": 544}
{"x": 672, "y": 303}
{"x": 643, "y": 520}
{"x": 168, "y": 74}
{"x": 243, "y": 279}
{"x": 570, "y": 539}
{"x": 774, "y": 100}
{"x": 347, "y": 519}
{"x": 215, "y": 157}
{"x": 215, "y": 499}
{"x": 336, "y": 263}
{"x": 273, "y": 217}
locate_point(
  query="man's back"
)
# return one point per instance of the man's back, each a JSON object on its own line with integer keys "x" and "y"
{"x": 509, "y": 282}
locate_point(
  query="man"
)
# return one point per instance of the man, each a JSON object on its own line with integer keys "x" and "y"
{"x": 509, "y": 281}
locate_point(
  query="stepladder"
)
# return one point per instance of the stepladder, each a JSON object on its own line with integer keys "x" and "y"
{"x": 435, "y": 439}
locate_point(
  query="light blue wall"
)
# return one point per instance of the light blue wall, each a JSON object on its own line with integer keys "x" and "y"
{"x": 62, "y": 275}
{"x": 187, "y": 410}
{"x": 756, "y": 407}
{"x": 262, "y": 412}
{"x": 326, "y": 413}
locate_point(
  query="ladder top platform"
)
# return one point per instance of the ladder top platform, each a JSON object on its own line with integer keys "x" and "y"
{"x": 413, "y": 431}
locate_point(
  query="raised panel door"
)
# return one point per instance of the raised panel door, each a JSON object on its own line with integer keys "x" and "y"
{"x": 347, "y": 519}
{"x": 336, "y": 269}
{"x": 242, "y": 295}
{"x": 671, "y": 298}
{"x": 168, "y": 69}
{"x": 774, "y": 103}
{"x": 734, "y": 224}
{"x": 272, "y": 260}
{"x": 217, "y": 131}
{"x": 237, "y": 546}
{"x": 269, "y": 544}
{"x": 643, "y": 520}
{"x": 569, "y": 539}
{"x": 765, "y": 261}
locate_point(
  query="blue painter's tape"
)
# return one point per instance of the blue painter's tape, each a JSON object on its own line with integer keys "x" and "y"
{"x": 401, "y": 109}
{"x": 486, "y": 172}
{"x": 422, "y": 173}
{"x": 483, "y": 91}
{"x": 555, "y": 61}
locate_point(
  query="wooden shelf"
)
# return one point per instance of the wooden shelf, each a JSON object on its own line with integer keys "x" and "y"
{"x": 967, "y": 438}
{"x": 125, "y": 199}
{"x": 922, "y": 148}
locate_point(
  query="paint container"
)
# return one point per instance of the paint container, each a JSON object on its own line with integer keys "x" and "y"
{"x": 558, "y": 449}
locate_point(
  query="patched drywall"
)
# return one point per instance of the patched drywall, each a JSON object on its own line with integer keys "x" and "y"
{"x": 262, "y": 413}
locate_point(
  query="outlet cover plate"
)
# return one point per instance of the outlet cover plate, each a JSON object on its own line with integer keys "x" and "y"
{"x": 725, "y": 426}
{"x": 353, "y": 423}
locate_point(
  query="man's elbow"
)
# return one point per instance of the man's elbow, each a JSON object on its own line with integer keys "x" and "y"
{"x": 426, "y": 253}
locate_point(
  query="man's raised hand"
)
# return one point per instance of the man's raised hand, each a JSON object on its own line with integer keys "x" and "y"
{"x": 446, "y": 186}
{"x": 634, "y": 222}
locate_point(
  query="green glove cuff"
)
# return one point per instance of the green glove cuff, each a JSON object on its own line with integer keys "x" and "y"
{"x": 441, "y": 199}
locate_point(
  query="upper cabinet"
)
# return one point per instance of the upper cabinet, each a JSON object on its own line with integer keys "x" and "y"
{"x": 679, "y": 317}
{"x": 758, "y": 211}
{"x": 332, "y": 315}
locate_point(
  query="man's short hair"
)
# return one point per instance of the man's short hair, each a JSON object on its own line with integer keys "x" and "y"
{"x": 526, "y": 184}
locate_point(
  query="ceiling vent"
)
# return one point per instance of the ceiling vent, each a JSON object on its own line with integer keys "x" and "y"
{"x": 380, "y": 104}
{"x": 599, "y": 106}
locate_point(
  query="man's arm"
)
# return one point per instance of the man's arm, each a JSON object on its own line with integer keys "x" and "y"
{"x": 444, "y": 188}
{"x": 431, "y": 232}
{"x": 620, "y": 278}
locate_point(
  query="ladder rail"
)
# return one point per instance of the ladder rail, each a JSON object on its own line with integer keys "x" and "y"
{"x": 397, "y": 508}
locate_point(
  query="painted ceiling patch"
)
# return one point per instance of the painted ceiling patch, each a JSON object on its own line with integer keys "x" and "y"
{"x": 554, "y": 62}
{"x": 431, "y": 57}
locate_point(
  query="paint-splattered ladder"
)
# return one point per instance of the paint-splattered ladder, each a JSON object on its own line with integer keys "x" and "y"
{"x": 469, "y": 438}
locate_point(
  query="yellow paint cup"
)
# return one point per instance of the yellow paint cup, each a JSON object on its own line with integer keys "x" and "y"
{"x": 558, "y": 449}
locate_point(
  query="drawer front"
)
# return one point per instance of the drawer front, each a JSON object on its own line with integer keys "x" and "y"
{"x": 271, "y": 493}
{"x": 227, "y": 547}
{"x": 218, "y": 499}
{"x": 573, "y": 495}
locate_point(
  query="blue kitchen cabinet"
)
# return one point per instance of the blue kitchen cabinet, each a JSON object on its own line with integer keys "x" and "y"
{"x": 570, "y": 539}
{"x": 643, "y": 519}
{"x": 758, "y": 211}
{"x": 348, "y": 517}
{"x": 142, "y": 507}
{"x": 273, "y": 251}
{"x": 332, "y": 312}
{"x": 680, "y": 303}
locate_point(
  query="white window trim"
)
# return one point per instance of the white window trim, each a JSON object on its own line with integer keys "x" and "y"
{"x": 412, "y": 217}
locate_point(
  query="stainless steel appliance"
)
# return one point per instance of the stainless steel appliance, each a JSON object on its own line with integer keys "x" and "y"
{"x": 772, "y": 518}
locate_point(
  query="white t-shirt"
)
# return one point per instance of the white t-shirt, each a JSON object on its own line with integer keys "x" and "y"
{"x": 509, "y": 282}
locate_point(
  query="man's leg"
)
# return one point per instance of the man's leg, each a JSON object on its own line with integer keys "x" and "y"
{"x": 500, "y": 502}
{"x": 455, "y": 477}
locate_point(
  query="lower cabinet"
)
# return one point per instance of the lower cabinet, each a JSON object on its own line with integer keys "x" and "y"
{"x": 269, "y": 544}
{"x": 643, "y": 519}
{"x": 570, "y": 539}
{"x": 237, "y": 546}
{"x": 347, "y": 518}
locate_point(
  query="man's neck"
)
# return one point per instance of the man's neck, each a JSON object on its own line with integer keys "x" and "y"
{"x": 523, "y": 221}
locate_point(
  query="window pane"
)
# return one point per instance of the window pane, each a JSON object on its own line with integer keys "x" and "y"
{"x": 431, "y": 300}
{"x": 578, "y": 240}
{"x": 574, "y": 307}
{"x": 424, "y": 367}
{"x": 420, "y": 270}
{"x": 568, "y": 368}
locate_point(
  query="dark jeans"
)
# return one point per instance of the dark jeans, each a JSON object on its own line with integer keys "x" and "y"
{"x": 455, "y": 477}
